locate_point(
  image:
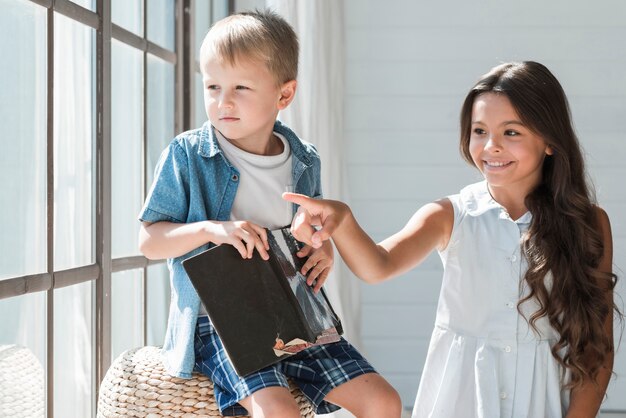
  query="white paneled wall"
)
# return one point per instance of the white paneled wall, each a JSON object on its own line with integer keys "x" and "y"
{"x": 409, "y": 65}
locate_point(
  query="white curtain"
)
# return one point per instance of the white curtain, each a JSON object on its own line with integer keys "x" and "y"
{"x": 316, "y": 115}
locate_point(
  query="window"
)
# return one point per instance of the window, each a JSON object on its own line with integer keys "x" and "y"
{"x": 93, "y": 91}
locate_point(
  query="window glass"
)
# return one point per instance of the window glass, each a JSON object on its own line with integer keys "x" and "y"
{"x": 128, "y": 14}
{"x": 23, "y": 125}
{"x": 126, "y": 311}
{"x": 201, "y": 23}
{"x": 199, "y": 110}
{"x": 87, "y": 4}
{"x": 23, "y": 354}
{"x": 126, "y": 147}
{"x": 73, "y": 351}
{"x": 161, "y": 22}
{"x": 160, "y": 110}
{"x": 157, "y": 303}
{"x": 220, "y": 9}
{"x": 73, "y": 144}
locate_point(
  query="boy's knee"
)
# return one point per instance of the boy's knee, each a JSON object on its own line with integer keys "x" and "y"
{"x": 385, "y": 403}
{"x": 282, "y": 411}
{"x": 394, "y": 400}
{"x": 279, "y": 408}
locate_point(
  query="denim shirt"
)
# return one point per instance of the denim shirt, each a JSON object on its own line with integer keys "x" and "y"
{"x": 194, "y": 182}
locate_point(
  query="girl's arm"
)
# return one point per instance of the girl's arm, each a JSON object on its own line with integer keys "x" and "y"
{"x": 585, "y": 401}
{"x": 428, "y": 228}
{"x": 161, "y": 240}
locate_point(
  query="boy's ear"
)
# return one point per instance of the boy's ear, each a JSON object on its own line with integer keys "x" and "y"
{"x": 287, "y": 93}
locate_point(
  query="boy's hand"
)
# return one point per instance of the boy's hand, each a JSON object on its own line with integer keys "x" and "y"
{"x": 319, "y": 264}
{"x": 243, "y": 235}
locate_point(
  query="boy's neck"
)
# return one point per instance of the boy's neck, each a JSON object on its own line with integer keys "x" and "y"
{"x": 264, "y": 144}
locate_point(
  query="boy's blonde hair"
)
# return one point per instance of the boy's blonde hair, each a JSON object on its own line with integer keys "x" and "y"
{"x": 261, "y": 36}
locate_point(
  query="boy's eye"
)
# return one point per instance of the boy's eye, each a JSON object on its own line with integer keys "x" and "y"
{"x": 242, "y": 88}
{"x": 212, "y": 87}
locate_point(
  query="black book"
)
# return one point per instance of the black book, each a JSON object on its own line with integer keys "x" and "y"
{"x": 263, "y": 311}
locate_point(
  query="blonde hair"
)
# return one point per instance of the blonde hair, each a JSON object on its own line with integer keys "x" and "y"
{"x": 261, "y": 36}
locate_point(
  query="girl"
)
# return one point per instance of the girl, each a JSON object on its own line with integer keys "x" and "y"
{"x": 524, "y": 321}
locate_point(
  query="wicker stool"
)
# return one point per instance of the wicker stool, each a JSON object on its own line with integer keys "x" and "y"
{"x": 21, "y": 383}
{"x": 136, "y": 385}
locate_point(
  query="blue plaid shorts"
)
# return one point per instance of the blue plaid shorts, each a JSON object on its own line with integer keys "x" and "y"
{"x": 316, "y": 371}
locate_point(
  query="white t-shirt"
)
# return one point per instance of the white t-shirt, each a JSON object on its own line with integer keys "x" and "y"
{"x": 262, "y": 181}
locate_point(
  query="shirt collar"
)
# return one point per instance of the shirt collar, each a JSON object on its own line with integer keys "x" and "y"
{"x": 479, "y": 200}
{"x": 209, "y": 146}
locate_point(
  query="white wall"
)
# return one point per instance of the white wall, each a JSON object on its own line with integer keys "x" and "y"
{"x": 409, "y": 65}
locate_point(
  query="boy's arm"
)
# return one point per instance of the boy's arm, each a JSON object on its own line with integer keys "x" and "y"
{"x": 586, "y": 401}
{"x": 161, "y": 240}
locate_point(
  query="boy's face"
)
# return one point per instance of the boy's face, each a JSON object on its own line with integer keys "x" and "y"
{"x": 243, "y": 100}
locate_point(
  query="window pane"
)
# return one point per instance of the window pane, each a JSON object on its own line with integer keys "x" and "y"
{"x": 126, "y": 146}
{"x": 161, "y": 18}
{"x": 87, "y": 4}
{"x": 160, "y": 110}
{"x": 73, "y": 351}
{"x": 199, "y": 110}
{"x": 126, "y": 311}
{"x": 23, "y": 136}
{"x": 73, "y": 144}
{"x": 201, "y": 22}
{"x": 220, "y": 9}
{"x": 158, "y": 303}
{"x": 128, "y": 14}
{"x": 23, "y": 354}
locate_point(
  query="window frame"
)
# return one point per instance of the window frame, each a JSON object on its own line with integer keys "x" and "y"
{"x": 100, "y": 272}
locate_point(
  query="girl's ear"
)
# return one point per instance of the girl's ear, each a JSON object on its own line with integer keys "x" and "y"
{"x": 549, "y": 150}
{"x": 287, "y": 93}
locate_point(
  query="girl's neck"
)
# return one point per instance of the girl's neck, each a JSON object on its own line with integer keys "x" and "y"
{"x": 512, "y": 201}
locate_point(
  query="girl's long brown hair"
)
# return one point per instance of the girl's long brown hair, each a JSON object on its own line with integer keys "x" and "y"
{"x": 564, "y": 237}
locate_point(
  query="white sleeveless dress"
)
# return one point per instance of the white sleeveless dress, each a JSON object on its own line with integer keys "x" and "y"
{"x": 484, "y": 360}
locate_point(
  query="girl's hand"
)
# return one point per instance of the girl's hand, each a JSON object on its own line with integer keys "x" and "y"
{"x": 319, "y": 264}
{"x": 243, "y": 235}
{"x": 328, "y": 214}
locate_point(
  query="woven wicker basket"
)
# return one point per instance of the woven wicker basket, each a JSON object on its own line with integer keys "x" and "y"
{"x": 136, "y": 385}
{"x": 21, "y": 383}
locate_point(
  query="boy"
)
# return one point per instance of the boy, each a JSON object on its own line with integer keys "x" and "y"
{"x": 221, "y": 184}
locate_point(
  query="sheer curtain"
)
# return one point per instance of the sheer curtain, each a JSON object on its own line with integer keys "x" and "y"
{"x": 316, "y": 115}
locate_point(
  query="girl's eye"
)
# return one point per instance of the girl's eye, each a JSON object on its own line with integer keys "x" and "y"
{"x": 511, "y": 133}
{"x": 212, "y": 87}
{"x": 479, "y": 131}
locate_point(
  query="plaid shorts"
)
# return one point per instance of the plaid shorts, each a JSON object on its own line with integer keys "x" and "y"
{"x": 316, "y": 371}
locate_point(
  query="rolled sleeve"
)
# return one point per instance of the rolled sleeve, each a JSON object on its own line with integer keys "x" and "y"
{"x": 168, "y": 198}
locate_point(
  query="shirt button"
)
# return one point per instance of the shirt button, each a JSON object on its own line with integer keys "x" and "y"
{"x": 507, "y": 348}
{"x": 235, "y": 177}
{"x": 514, "y": 258}
{"x": 510, "y": 305}
{"x": 503, "y": 395}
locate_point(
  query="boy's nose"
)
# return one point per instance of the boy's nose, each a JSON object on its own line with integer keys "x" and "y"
{"x": 225, "y": 101}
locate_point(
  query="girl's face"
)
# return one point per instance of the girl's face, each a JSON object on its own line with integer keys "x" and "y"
{"x": 507, "y": 153}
